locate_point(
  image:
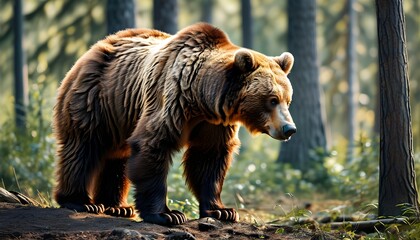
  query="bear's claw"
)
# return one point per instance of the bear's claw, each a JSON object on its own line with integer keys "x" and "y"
{"x": 90, "y": 208}
{"x": 173, "y": 217}
{"x": 224, "y": 214}
{"x": 115, "y": 211}
{"x": 126, "y": 212}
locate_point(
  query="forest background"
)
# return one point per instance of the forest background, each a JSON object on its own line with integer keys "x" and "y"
{"x": 57, "y": 33}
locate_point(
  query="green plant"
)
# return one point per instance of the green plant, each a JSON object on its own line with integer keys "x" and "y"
{"x": 360, "y": 176}
{"x": 28, "y": 155}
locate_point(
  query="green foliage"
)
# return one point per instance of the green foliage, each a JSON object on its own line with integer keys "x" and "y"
{"x": 408, "y": 231}
{"x": 358, "y": 178}
{"x": 56, "y": 33}
{"x": 413, "y": 232}
{"x": 257, "y": 173}
{"x": 28, "y": 156}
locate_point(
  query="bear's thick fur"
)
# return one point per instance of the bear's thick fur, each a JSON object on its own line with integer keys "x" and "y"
{"x": 140, "y": 95}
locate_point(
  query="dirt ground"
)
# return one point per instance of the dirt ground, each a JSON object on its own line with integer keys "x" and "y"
{"x": 28, "y": 222}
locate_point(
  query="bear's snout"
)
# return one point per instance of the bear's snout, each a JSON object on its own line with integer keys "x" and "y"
{"x": 282, "y": 133}
{"x": 289, "y": 130}
{"x": 280, "y": 125}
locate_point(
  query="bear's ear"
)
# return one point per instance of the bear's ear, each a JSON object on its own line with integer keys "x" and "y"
{"x": 285, "y": 61}
{"x": 244, "y": 60}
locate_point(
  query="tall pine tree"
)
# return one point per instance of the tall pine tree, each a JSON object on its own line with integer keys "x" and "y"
{"x": 397, "y": 177}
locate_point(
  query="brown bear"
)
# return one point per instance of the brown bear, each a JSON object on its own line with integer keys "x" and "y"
{"x": 140, "y": 95}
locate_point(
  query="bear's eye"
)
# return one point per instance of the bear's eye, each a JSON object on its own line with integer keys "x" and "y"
{"x": 274, "y": 102}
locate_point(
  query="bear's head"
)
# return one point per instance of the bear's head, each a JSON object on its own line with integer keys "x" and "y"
{"x": 264, "y": 100}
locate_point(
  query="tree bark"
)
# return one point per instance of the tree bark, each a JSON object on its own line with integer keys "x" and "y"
{"x": 20, "y": 70}
{"x": 397, "y": 177}
{"x": 246, "y": 14}
{"x": 120, "y": 14}
{"x": 306, "y": 105}
{"x": 165, "y": 15}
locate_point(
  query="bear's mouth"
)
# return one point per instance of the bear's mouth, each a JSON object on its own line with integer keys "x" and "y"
{"x": 277, "y": 135}
{"x": 280, "y": 137}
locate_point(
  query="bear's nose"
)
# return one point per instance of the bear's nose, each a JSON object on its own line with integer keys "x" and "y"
{"x": 289, "y": 130}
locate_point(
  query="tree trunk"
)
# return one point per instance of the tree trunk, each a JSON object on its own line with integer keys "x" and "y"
{"x": 20, "y": 71}
{"x": 207, "y": 11}
{"x": 306, "y": 105}
{"x": 397, "y": 177}
{"x": 246, "y": 14}
{"x": 352, "y": 80}
{"x": 120, "y": 14}
{"x": 165, "y": 15}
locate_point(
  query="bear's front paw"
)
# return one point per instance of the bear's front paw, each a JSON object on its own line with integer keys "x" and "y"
{"x": 224, "y": 214}
{"x": 167, "y": 218}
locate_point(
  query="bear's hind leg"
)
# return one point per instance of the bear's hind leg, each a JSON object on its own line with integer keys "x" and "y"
{"x": 77, "y": 164}
{"x": 206, "y": 162}
{"x": 112, "y": 185}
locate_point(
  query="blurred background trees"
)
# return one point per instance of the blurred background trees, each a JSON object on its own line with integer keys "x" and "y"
{"x": 207, "y": 11}
{"x": 19, "y": 68}
{"x": 306, "y": 108}
{"x": 120, "y": 14}
{"x": 165, "y": 15}
{"x": 57, "y": 33}
{"x": 247, "y": 23}
{"x": 352, "y": 93}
